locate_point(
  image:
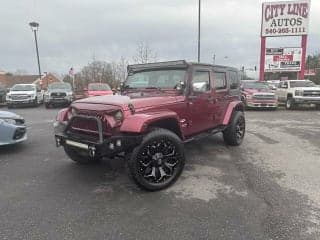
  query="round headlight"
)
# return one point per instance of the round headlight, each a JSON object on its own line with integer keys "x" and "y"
{"x": 118, "y": 116}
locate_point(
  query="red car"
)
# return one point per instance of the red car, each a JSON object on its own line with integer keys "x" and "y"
{"x": 257, "y": 94}
{"x": 98, "y": 89}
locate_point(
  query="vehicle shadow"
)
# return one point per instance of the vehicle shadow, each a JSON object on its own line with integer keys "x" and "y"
{"x": 12, "y": 149}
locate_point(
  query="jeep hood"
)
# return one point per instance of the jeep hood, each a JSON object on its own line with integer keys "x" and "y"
{"x": 123, "y": 101}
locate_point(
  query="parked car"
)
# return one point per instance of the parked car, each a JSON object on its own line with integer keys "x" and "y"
{"x": 148, "y": 124}
{"x": 24, "y": 94}
{"x": 297, "y": 92}
{"x": 3, "y": 93}
{"x": 12, "y": 128}
{"x": 97, "y": 89}
{"x": 257, "y": 94}
{"x": 273, "y": 84}
{"x": 57, "y": 94}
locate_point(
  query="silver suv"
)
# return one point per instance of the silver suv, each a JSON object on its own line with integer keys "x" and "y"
{"x": 58, "y": 93}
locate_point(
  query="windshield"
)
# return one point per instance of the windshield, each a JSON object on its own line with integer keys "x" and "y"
{"x": 256, "y": 85}
{"x": 302, "y": 84}
{"x": 62, "y": 86}
{"x": 22, "y": 87}
{"x": 99, "y": 87}
{"x": 166, "y": 79}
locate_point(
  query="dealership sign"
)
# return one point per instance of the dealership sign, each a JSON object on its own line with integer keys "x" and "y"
{"x": 283, "y": 59}
{"x": 290, "y": 18}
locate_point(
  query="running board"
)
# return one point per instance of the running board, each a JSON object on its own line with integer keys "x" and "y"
{"x": 205, "y": 134}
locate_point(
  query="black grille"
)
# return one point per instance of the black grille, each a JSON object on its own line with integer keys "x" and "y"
{"x": 19, "y": 133}
{"x": 310, "y": 93}
{"x": 19, "y": 97}
{"x": 58, "y": 94}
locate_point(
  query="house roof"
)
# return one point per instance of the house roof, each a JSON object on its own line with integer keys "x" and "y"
{"x": 10, "y": 80}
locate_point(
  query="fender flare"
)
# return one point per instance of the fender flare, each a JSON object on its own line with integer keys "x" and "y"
{"x": 233, "y": 106}
{"x": 139, "y": 122}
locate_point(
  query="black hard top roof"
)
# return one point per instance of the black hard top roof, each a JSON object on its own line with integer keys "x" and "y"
{"x": 170, "y": 64}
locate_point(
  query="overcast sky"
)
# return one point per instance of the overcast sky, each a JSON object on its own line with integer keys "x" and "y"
{"x": 72, "y": 32}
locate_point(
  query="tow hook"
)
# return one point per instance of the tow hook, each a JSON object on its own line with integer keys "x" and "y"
{"x": 92, "y": 151}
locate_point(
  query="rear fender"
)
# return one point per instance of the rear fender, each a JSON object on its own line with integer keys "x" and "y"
{"x": 233, "y": 106}
{"x": 139, "y": 122}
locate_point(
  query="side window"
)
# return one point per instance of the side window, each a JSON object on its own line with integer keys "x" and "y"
{"x": 201, "y": 81}
{"x": 220, "y": 80}
{"x": 234, "y": 80}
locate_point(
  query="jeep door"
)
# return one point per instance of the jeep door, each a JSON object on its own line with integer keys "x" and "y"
{"x": 221, "y": 94}
{"x": 200, "y": 101}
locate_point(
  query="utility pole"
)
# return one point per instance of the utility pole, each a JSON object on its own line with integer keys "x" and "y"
{"x": 34, "y": 27}
{"x": 199, "y": 30}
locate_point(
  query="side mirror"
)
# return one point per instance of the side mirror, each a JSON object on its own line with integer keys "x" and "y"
{"x": 8, "y": 90}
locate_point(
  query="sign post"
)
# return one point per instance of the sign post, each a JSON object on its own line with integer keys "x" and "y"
{"x": 282, "y": 19}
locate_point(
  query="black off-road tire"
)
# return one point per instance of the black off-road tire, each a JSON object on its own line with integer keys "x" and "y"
{"x": 233, "y": 135}
{"x": 80, "y": 156}
{"x": 290, "y": 104}
{"x": 159, "y": 142}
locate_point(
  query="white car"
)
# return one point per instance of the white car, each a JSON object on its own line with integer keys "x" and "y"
{"x": 295, "y": 92}
{"x": 24, "y": 94}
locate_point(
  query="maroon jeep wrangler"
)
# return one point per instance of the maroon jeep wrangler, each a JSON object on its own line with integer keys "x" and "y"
{"x": 161, "y": 106}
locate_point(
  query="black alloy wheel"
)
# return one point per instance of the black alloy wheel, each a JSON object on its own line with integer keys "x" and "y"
{"x": 158, "y": 161}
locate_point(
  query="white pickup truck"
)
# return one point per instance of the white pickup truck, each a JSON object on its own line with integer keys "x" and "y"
{"x": 24, "y": 94}
{"x": 295, "y": 92}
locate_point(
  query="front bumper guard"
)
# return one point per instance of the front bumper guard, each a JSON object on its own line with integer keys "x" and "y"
{"x": 108, "y": 147}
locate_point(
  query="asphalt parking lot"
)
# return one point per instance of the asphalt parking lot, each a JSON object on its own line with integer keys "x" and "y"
{"x": 268, "y": 188}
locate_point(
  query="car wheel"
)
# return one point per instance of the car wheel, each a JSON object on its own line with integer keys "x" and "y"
{"x": 290, "y": 104}
{"x": 233, "y": 135}
{"x": 158, "y": 161}
{"x": 79, "y": 156}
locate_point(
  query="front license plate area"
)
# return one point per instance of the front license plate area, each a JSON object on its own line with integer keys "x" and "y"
{"x": 77, "y": 144}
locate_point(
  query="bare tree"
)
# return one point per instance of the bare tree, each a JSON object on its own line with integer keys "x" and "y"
{"x": 144, "y": 54}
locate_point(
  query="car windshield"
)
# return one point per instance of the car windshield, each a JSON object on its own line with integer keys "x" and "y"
{"x": 301, "y": 83}
{"x": 99, "y": 87}
{"x": 165, "y": 79}
{"x": 62, "y": 86}
{"x": 22, "y": 87}
{"x": 256, "y": 85}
